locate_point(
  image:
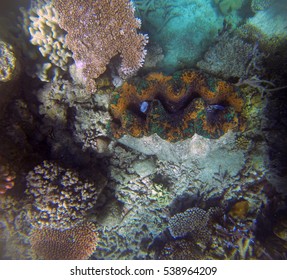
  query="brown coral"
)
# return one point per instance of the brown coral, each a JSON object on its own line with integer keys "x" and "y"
{"x": 77, "y": 243}
{"x": 59, "y": 197}
{"x": 97, "y": 32}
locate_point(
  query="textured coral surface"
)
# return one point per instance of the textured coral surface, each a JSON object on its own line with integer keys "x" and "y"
{"x": 108, "y": 28}
{"x": 60, "y": 197}
{"x": 175, "y": 107}
{"x": 76, "y": 243}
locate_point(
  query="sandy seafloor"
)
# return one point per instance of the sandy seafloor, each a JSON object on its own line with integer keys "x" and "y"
{"x": 147, "y": 198}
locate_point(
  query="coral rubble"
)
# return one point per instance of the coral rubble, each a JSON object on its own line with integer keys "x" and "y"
{"x": 176, "y": 107}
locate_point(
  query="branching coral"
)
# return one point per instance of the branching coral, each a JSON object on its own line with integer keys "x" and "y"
{"x": 107, "y": 28}
{"x": 59, "y": 197}
{"x": 175, "y": 107}
{"x": 77, "y": 243}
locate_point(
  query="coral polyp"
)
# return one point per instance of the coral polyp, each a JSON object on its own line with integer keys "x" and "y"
{"x": 176, "y": 107}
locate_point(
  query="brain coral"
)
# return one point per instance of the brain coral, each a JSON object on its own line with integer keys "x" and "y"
{"x": 76, "y": 243}
{"x": 175, "y": 107}
{"x": 59, "y": 197}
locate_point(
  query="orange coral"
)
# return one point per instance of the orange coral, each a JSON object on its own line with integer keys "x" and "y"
{"x": 107, "y": 28}
{"x": 6, "y": 178}
{"x": 77, "y": 243}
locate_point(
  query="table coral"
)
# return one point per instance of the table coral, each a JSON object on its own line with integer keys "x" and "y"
{"x": 176, "y": 107}
{"x": 108, "y": 28}
{"x": 77, "y": 243}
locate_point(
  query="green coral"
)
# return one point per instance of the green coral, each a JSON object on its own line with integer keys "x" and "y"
{"x": 227, "y": 6}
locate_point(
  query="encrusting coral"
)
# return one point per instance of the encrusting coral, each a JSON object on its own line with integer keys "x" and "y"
{"x": 107, "y": 29}
{"x": 175, "y": 107}
{"x": 77, "y": 243}
{"x": 59, "y": 197}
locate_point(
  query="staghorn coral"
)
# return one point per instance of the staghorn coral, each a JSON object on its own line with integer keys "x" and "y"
{"x": 108, "y": 28}
{"x": 175, "y": 107}
{"x": 59, "y": 197}
{"x": 77, "y": 243}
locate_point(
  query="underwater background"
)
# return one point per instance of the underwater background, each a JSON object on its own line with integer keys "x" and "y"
{"x": 150, "y": 129}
